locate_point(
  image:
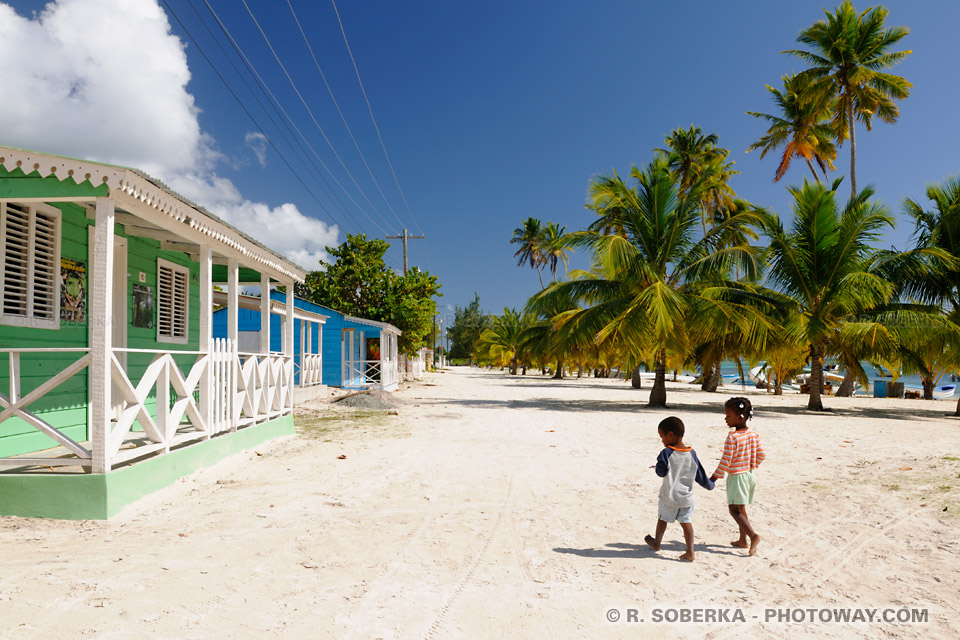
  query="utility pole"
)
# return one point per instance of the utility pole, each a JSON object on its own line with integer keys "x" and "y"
{"x": 405, "y": 237}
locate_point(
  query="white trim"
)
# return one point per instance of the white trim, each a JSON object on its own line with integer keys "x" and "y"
{"x": 175, "y": 268}
{"x": 28, "y": 319}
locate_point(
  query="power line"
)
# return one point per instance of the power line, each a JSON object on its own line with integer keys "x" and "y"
{"x": 305, "y": 157}
{"x": 256, "y": 74}
{"x": 340, "y": 112}
{"x": 372, "y": 119}
{"x": 245, "y": 110}
{"x": 310, "y": 113}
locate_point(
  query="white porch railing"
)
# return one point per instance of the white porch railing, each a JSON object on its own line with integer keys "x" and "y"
{"x": 370, "y": 373}
{"x": 243, "y": 389}
{"x": 310, "y": 370}
{"x": 16, "y": 405}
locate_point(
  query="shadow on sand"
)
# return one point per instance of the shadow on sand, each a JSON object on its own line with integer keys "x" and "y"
{"x": 625, "y": 550}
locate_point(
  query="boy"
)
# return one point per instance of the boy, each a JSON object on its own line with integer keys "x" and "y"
{"x": 679, "y": 467}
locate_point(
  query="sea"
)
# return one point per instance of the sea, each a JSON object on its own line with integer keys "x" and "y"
{"x": 730, "y": 374}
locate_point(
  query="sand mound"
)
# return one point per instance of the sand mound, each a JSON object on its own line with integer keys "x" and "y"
{"x": 374, "y": 400}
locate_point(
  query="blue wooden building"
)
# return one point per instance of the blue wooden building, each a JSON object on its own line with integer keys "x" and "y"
{"x": 330, "y": 348}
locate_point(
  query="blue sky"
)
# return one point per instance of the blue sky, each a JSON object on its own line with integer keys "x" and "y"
{"x": 490, "y": 112}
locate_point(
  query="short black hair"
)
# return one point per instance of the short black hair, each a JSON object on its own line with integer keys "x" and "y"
{"x": 672, "y": 425}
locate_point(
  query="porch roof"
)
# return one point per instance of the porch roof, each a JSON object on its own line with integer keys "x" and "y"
{"x": 159, "y": 209}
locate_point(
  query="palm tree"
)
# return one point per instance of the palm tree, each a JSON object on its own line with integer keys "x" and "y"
{"x": 933, "y": 273}
{"x": 530, "y": 238}
{"x": 802, "y": 127}
{"x": 826, "y": 270}
{"x": 698, "y": 162}
{"x": 502, "y": 341}
{"x": 651, "y": 267}
{"x": 848, "y": 53}
{"x": 555, "y": 248}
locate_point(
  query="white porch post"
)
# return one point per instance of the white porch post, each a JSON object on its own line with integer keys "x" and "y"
{"x": 101, "y": 330}
{"x": 264, "y": 313}
{"x": 206, "y": 335}
{"x": 233, "y": 334}
{"x": 288, "y": 342}
{"x": 288, "y": 324}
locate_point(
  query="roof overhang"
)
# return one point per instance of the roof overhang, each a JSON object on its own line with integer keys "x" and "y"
{"x": 252, "y": 303}
{"x": 374, "y": 323}
{"x": 148, "y": 208}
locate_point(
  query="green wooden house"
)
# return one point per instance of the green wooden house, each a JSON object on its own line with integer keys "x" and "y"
{"x": 111, "y": 384}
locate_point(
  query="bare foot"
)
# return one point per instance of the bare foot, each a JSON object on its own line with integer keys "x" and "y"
{"x": 741, "y": 544}
{"x": 753, "y": 545}
{"x": 651, "y": 542}
{"x": 688, "y": 556}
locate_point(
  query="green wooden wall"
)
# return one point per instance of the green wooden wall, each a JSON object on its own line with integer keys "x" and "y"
{"x": 66, "y": 406}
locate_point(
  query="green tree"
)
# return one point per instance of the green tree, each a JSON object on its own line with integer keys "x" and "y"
{"x": 502, "y": 341}
{"x": 530, "y": 239}
{"x": 358, "y": 282}
{"x": 651, "y": 267}
{"x": 467, "y": 326}
{"x": 555, "y": 248}
{"x": 698, "y": 162}
{"x": 848, "y": 53}
{"x": 801, "y": 126}
{"x": 825, "y": 267}
{"x": 932, "y": 273}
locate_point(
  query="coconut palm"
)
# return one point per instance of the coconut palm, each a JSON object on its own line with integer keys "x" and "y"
{"x": 502, "y": 341}
{"x": 825, "y": 267}
{"x": 555, "y": 248}
{"x": 696, "y": 159}
{"x": 801, "y": 127}
{"x": 651, "y": 267}
{"x": 848, "y": 52}
{"x": 530, "y": 238}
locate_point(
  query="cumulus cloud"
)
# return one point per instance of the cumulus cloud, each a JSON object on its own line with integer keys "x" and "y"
{"x": 123, "y": 99}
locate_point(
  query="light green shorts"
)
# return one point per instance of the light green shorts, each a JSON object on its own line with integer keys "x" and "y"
{"x": 740, "y": 488}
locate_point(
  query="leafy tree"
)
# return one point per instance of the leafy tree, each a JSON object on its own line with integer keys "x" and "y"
{"x": 697, "y": 161}
{"x": 530, "y": 238}
{"x": 837, "y": 299}
{"x": 502, "y": 341}
{"x": 652, "y": 267}
{"x": 848, "y": 52}
{"x": 359, "y": 283}
{"x": 468, "y": 324}
{"x": 802, "y": 127}
{"x": 554, "y": 247}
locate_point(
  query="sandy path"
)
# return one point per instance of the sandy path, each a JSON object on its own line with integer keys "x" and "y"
{"x": 507, "y": 507}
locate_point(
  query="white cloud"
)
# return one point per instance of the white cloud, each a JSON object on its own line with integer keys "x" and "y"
{"x": 106, "y": 80}
{"x": 258, "y": 144}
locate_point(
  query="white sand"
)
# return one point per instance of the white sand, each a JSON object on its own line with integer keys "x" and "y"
{"x": 506, "y": 507}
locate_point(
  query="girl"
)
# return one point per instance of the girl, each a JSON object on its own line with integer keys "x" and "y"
{"x": 742, "y": 453}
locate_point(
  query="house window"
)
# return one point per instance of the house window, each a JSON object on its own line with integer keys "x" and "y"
{"x": 29, "y": 265}
{"x": 173, "y": 296}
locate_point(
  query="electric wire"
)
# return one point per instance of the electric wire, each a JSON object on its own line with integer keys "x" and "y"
{"x": 340, "y": 112}
{"x": 372, "y": 119}
{"x": 377, "y": 128}
{"x": 247, "y": 112}
{"x": 257, "y": 75}
{"x": 301, "y": 153}
{"x": 310, "y": 112}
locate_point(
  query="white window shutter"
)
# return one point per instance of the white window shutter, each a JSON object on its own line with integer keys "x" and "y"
{"x": 29, "y": 265}
{"x": 173, "y": 299}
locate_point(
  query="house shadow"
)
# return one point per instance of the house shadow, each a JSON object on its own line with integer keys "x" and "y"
{"x": 628, "y": 551}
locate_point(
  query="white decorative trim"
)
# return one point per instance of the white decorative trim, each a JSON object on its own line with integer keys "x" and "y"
{"x": 148, "y": 193}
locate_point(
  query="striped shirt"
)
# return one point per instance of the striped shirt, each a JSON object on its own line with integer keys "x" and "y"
{"x": 742, "y": 452}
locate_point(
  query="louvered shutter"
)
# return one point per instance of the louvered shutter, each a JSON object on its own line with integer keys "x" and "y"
{"x": 173, "y": 296}
{"x": 29, "y": 260}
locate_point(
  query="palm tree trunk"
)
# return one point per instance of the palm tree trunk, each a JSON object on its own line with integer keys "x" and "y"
{"x": 658, "y": 395}
{"x": 559, "y": 374}
{"x": 845, "y": 390}
{"x": 927, "y": 388}
{"x": 813, "y": 171}
{"x": 711, "y": 378}
{"x": 957, "y": 412}
{"x": 513, "y": 366}
{"x": 853, "y": 152}
{"x": 635, "y": 380}
{"x": 816, "y": 379}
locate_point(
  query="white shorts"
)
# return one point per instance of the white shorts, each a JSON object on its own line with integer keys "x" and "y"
{"x": 669, "y": 514}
